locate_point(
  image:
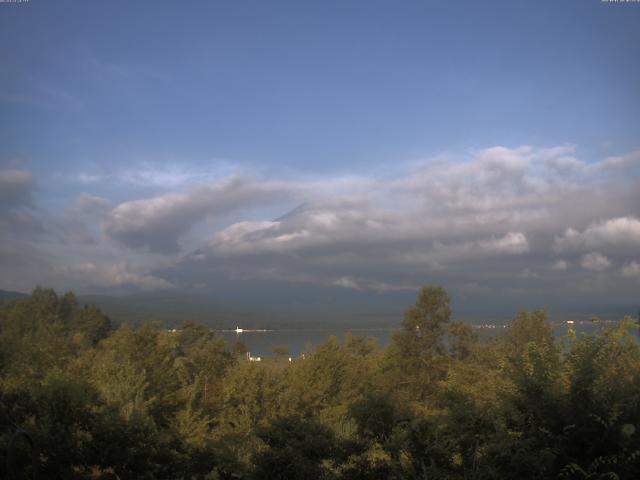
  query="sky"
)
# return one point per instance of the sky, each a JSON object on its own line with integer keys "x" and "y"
{"x": 369, "y": 147}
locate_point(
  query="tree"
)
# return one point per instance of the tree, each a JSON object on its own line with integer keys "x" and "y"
{"x": 418, "y": 353}
{"x": 602, "y": 372}
{"x": 64, "y": 424}
{"x": 527, "y": 327}
{"x": 462, "y": 340}
{"x": 295, "y": 450}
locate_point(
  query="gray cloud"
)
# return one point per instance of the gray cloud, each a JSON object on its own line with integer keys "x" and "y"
{"x": 16, "y": 187}
{"x": 499, "y": 216}
{"x": 526, "y": 220}
{"x": 595, "y": 261}
{"x": 157, "y": 223}
{"x": 560, "y": 265}
{"x": 629, "y": 160}
{"x": 113, "y": 275}
{"x": 631, "y": 269}
{"x": 621, "y": 232}
{"x": 23, "y": 265}
{"x": 92, "y": 205}
{"x": 17, "y": 213}
{"x": 59, "y": 248}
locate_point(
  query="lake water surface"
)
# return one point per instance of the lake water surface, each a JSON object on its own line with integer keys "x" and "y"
{"x": 261, "y": 343}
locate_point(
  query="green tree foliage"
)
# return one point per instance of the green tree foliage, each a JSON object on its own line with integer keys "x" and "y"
{"x": 462, "y": 339}
{"x": 43, "y": 331}
{"x": 417, "y": 356}
{"x": 602, "y": 375}
{"x": 145, "y": 402}
{"x": 65, "y": 422}
{"x": 527, "y": 328}
{"x": 295, "y": 450}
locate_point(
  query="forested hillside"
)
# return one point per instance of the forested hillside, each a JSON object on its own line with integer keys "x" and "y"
{"x": 144, "y": 402}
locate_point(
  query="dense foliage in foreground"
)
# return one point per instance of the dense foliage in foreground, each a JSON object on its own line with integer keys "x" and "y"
{"x": 437, "y": 403}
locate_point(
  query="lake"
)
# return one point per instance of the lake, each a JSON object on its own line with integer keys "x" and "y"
{"x": 261, "y": 343}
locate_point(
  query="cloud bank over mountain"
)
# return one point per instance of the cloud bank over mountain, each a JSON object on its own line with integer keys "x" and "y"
{"x": 529, "y": 220}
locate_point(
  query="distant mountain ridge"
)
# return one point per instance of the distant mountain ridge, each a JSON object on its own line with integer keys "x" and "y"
{"x": 11, "y": 295}
{"x": 173, "y": 308}
{"x": 304, "y": 308}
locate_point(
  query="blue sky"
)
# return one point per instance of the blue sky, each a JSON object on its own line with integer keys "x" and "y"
{"x": 108, "y": 105}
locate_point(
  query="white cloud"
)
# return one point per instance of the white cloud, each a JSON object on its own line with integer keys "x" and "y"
{"x": 87, "y": 204}
{"x": 560, "y": 265}
{"x": 566, "y": 165}
{"x": 243, "y": 238}
{"x": 595, "y": 261}
{"x": 617, "y": 232}
{"x": 172, "y": 174}
{"x": 346, "y": 282}
{"x": 118, "y": 275}
{"x": 488, "y": 216}
{"x": 369, "y": 285}
{"x": 88, "y": 177}
{"x": 157, "y": 223}
{"x": 622, "y": 161}
{"x": 631, "y": 269}
{"x": 513, "y": 243}
{"x": 501, "y": 207}
{"x": 527, "y": 273}
{"x": 160, "y": 174}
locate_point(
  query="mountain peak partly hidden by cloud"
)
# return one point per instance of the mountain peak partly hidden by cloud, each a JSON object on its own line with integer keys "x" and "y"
{"x": 525, "y": 220}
